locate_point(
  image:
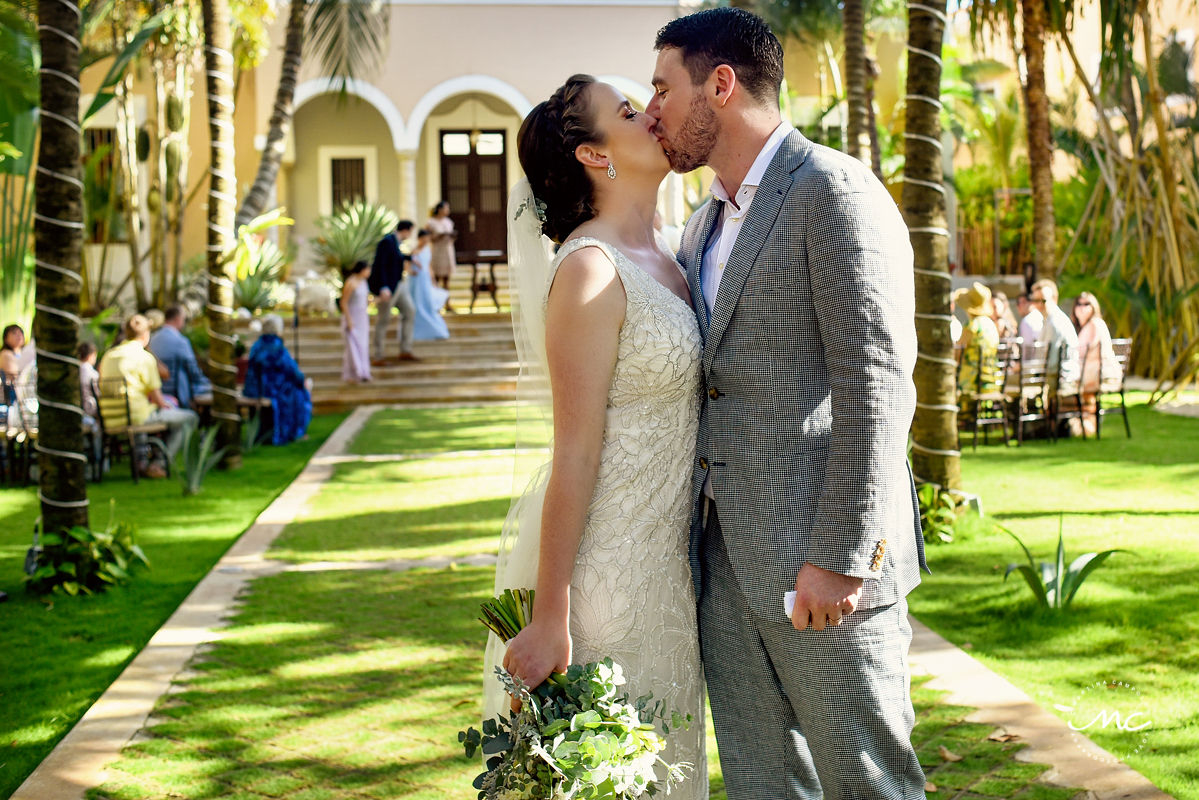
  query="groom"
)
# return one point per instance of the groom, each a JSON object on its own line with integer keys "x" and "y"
{"x": 801, "y": 274}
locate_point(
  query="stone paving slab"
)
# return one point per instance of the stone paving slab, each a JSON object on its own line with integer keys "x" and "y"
{"x": 1076, "y": 760}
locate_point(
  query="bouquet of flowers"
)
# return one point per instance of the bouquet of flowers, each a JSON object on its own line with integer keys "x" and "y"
{"x": 575, "y": 736}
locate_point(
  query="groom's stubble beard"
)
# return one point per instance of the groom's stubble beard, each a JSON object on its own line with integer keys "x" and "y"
{"x": 696, "y": 138}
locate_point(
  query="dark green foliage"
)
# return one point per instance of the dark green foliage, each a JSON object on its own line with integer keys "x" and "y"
{"x": 82, "y": 561}
{"x": 196, "y": 458}
{"x": 938, "y": 514}
{"x": 1054, "y": 585}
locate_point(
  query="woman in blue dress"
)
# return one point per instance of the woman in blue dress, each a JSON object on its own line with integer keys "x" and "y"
{"x": 273, "y": 373}
{"x": 427, "y": 298}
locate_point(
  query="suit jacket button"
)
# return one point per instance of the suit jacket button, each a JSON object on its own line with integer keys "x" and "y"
{"x": 713, "y": 393}
{"x": 703, "y": 463}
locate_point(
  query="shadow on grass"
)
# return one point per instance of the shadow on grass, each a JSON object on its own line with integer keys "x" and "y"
{"x": 363, "y": 698}
{"x": 459, "y": 528}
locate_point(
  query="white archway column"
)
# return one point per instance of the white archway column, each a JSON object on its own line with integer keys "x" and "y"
{"x": 407, "y": 159}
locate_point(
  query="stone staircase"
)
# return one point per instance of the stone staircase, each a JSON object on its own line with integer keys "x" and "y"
{"x": 477, "y": 364}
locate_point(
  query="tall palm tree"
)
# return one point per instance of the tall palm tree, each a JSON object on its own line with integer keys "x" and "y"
{"x": 935, "y": 456}
{"x": 1034, "y": 16}
{"x": 350, "y": 36}
{"x": 58, "y": 243}
{"x": 222, "y": 188}
{"x": 857, "y": 81}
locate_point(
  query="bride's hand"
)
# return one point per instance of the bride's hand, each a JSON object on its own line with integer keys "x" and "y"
{"x": 537, "y": 651}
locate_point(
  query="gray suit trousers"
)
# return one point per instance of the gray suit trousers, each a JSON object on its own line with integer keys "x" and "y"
{"x": 402, "y": 300}
{"x": 835, "y": 722}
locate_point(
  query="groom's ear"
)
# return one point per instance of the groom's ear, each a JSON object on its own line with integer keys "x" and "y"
{"x": 722, "y": 83}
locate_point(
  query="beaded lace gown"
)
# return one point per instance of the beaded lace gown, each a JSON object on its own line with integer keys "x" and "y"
{"x": 631, "y": 596}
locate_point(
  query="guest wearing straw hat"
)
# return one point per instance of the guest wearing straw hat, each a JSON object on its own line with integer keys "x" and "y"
{"x": 978, "y": 351}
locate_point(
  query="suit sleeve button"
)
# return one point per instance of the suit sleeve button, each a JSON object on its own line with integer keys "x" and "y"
{"x": 703, "y": 463}
{"x": 713, "y": 393}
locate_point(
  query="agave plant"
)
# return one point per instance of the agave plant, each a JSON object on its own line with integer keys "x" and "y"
{"x": 1054, "y": 585}
{"x": 349, "y": 234}
{"x": 196, "y": 457}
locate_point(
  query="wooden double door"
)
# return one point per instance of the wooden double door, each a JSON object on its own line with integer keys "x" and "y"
{"x": 474, "y": 179}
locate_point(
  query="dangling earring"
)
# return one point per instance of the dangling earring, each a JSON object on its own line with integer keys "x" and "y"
{"x": 611, "y": 172}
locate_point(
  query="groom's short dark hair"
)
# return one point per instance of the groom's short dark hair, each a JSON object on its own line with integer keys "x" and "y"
{"x": 730, "y": 36}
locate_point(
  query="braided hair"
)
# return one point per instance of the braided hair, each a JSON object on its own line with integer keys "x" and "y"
{"x": 546, "y": 145}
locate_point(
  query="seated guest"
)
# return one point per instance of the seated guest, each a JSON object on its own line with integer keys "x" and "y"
{"x": 979, "y": 351}
{"x": 1005, "y": 320}
{"x": 273, "y": 373}
{"x": 133, "y": 362}
{"x": 10, "y": 357}
{"x": 1062, "y": 364}
{"x": 184, "y": 380}
{"x": 1098, "y": 357}
{"x": 1031, "y": 323}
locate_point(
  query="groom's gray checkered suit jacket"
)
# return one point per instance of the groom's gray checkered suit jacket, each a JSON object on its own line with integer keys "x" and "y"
{"x": 807, "y": 364}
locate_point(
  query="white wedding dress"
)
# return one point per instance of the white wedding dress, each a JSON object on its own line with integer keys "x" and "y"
{"x": 631, "y": 596}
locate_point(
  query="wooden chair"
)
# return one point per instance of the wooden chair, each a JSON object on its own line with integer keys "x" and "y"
{"x": 1122, "y": 348}
{"x": 117, "y": 427}
{"x": 1027, "y": 399}
{"x": 6, "y": 394}
{"x": 989, "y": 401}
{"x": 21, "y": 437}
{"x": 1064, "y": 406}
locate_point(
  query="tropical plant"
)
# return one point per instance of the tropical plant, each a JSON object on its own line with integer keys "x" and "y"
{"x": 938, "y": 514}
{"x": 350, "y": 233}
{"x": 58, "y": 244}
{"x": 935, "y": 456}
{"x": 350, "y": 36}
{"x": 249, "y": 433}
{"x": 196, "y": 458}
{"x": 1055, "y": 584}
{"x": 19, "y": 62}
{"x": 79, "y": 560}
{"x": 259, "y": 265}
{"x": 222, "y": 236}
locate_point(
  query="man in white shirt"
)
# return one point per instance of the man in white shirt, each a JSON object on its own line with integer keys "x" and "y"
{"x": 800, "y": 270}
{"x": 1031, "y": 322}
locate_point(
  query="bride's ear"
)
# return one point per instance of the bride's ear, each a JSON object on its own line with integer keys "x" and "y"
{"x": 589, "y": 156}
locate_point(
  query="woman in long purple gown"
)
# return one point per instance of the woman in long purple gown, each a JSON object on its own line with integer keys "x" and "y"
{"x": 356, "y": 366}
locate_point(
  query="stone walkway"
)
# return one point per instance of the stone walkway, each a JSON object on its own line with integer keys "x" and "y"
{"x": 78, "y": 762}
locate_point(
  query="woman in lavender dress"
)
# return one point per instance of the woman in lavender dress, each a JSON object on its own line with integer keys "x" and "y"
{"x": 356, "y": 366}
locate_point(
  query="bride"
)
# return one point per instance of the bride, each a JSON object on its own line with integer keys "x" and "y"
{"x": 604, "y": 538}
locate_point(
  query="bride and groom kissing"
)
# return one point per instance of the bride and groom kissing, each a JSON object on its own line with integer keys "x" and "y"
{"x": 729, "y": 425}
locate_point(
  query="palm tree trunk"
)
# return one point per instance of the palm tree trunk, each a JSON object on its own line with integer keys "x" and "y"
{"x": 222, "y": 193}
{"x": 58, "y": 242}
{"x": 272, "y": 154}
{"x": 1157, "y": 102}
{"x": 876, "y": 150}
{"x": 935, "y": 456}
{"x": 1040, "y": 143}
{"x": 857, "y": 131}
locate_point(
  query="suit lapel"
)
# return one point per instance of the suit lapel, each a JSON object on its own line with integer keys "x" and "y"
{"x": 759, "y": 221}
{"x": 695, "y": 259}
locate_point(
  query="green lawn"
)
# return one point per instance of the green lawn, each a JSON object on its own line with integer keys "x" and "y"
{"x": 338, "y": 685}
{"x": 443, "y": 430}
{"x": 1135, "y": 621}
{"x": 59, "y": 655}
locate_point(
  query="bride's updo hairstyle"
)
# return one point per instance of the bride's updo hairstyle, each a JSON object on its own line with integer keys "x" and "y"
{"x": 546, "y": 145}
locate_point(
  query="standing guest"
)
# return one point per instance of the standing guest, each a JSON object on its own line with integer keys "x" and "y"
{"x": 441, "y": 227}
{"x": 1005, "y": 320}
{"x": 1098, "y": 357}
{"x": 133, "y": 362}
{"x": 356, "y": 365}
{"x": 273, "y": 373}
{"x": 387, "y": 284}
{"x": 427, "y": 298}
{"x": 184, "y": 379}
{"x": 10, "y": 354}
{"x": 978, "y": 351}
{"x": 1058, "y": 331}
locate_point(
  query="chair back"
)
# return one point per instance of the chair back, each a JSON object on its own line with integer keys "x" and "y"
{"x": 1123, "y": 350}
{"x": 113, "y": 394}
{"x": 1034, "y": 369}
{"x": 26, "y": 404}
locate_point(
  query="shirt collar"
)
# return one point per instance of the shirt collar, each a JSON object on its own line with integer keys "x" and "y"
{"x": 758, "y": 168}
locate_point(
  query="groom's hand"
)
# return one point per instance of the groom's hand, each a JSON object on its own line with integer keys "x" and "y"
{"x": 823, "y": 597}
